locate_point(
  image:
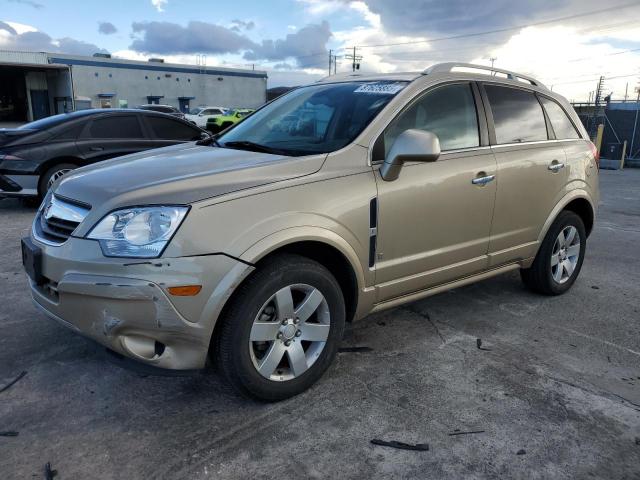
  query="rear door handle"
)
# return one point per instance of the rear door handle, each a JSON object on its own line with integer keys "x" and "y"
{"x": 96, "y": 149}
{"x": 555, "y": 166}
{"x": 483, "y": 180}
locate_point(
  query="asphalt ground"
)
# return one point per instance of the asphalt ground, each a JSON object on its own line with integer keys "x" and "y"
{"x": 554, "y": 391}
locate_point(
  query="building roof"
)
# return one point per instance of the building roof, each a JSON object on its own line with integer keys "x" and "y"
{"x": 58, "y": 60}
{"x": 153, "y": 66}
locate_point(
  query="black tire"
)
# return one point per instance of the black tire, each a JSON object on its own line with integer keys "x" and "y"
{"x": 231, "y": 343}
{"x": 539, "y": 277}
{"x": 44, "y": 179}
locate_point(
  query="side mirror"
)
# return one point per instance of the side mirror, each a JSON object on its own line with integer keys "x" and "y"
{"x": 412, "y": 145}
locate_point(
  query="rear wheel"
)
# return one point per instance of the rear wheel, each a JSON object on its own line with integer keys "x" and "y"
{"x": 282, "y": 329}
{"x": 560, "y": 257}
{"x": 51, "y": 175}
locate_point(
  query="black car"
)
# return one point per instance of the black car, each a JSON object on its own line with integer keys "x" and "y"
{"x": 162, "y": 109}
{"x": 34, "y": 155}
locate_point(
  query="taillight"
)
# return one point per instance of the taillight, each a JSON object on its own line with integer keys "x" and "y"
{"x": 596, "y": 155}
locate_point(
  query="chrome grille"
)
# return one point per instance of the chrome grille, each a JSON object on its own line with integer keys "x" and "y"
{"x": 57, "y": 220}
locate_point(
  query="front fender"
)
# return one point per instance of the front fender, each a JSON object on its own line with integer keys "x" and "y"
{"x": 292, "y": 235}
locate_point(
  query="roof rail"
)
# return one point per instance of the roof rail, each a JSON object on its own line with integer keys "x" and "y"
{"x": 449, "y": 66}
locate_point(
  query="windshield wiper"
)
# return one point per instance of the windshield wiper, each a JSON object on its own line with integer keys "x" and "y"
{"x": 211, "y": 140}
{"x": 253, "y": 147}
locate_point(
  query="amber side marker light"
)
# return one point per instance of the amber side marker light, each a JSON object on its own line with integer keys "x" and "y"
{"x": 185, "y": 290}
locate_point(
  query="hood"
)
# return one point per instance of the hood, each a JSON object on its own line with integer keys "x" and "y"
{"x": 180, "y": 174}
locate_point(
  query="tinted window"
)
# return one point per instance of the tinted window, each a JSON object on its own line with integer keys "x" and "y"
{"x": 562, "y": 126}
{"x": 71, "y": 133}
{"x": 447, "y": 111}
{"x": 116, "y": 127}
{"x": 168, "y": 129}
{"x": 517, "y": 115}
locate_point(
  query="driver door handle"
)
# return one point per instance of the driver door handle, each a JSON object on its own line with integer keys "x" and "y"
{"x": 483, "y": 180}
{"x": 96, "y": 149}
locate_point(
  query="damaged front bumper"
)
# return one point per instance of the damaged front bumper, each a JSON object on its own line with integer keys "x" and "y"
{"x": 125, "y": 305}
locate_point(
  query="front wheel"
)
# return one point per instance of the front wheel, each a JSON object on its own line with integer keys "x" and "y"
{"x": 282, "y": 329}
{"x": 560, "y": 257}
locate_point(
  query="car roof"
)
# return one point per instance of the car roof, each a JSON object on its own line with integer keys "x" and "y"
{"x": 63, "y": 118}
{"x": 370, "y": 77}
{"x": 156, "y": 105}
{"x": 464, "y": 70}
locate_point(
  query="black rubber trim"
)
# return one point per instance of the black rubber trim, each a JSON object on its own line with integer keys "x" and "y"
{"x": 373, "y": 223}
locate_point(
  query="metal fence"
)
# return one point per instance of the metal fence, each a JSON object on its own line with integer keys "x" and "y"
{"x": 621, "y": 122}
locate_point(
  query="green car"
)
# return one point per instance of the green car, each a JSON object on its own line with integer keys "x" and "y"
{"x": 222, "y": 122}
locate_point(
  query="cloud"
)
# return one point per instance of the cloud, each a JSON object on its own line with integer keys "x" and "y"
{"x": 30, "y": 3}
{"x": 35, "y": 41}
{"x": 159, "y": 4}
{"x": 307, "y": 46}
{"x": 196, "y": 37}
{"x": 7, "y": 28}
{"x": 239, "y": 25}
{"x": 283, "y": 66}
{"x": 323, "y": 7}
{"x": 106, "y": 28}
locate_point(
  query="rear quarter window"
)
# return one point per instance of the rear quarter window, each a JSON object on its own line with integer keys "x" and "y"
{"x": 70, "y": 133}
{"x": 560, "y": 122}
{"x": 517, "y": 115}
{"x": 169, "y": 129}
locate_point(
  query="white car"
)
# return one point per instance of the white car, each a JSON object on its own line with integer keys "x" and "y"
{"x": 200, "y": 115}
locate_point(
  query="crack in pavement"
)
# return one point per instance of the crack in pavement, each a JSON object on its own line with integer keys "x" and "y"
{"x": 426, "y": 316}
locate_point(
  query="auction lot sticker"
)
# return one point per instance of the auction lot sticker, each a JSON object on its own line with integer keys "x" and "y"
{"x": 381, "y": 88}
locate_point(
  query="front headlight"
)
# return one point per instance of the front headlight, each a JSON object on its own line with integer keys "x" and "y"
{"x": 139, "y": 232}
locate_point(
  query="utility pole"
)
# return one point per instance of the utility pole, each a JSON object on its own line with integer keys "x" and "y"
{"x": 598, "y": 107}
{"x": 330, "y": 60}
{"x": 355, "y": 58}
{"x": 635, "y": 123}
{"x": 493, "y": 59}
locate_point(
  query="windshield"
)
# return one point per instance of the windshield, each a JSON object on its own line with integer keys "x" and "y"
{"x": 314, "y": 119}
{"x": 196, "y": 111}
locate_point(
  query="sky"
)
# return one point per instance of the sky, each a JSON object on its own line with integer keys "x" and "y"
{"x": 566, "y": 44}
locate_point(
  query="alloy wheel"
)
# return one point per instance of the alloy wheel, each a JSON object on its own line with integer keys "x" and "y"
{"x": 56, "y": 175}
{"x": 290, "y": 332}
{"x": 565, "y": 254}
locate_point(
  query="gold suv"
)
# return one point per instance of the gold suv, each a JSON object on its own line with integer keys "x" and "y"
{"x": 341, "y": 198}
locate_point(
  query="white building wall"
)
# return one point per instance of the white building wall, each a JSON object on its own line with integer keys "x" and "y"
{"x": 132, "y": 83}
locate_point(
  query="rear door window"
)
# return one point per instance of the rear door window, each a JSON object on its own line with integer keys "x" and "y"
{"x": 562, "y": 126}
{"x": 169, "y": 129}
{"x": 517, "y": 115}
{"x": 117, "y": 126}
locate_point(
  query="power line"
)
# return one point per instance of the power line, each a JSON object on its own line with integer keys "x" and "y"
{"x": 497, "y": 44}
{"x": 596, "y": 79}
{"x": 506, "y": 29}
